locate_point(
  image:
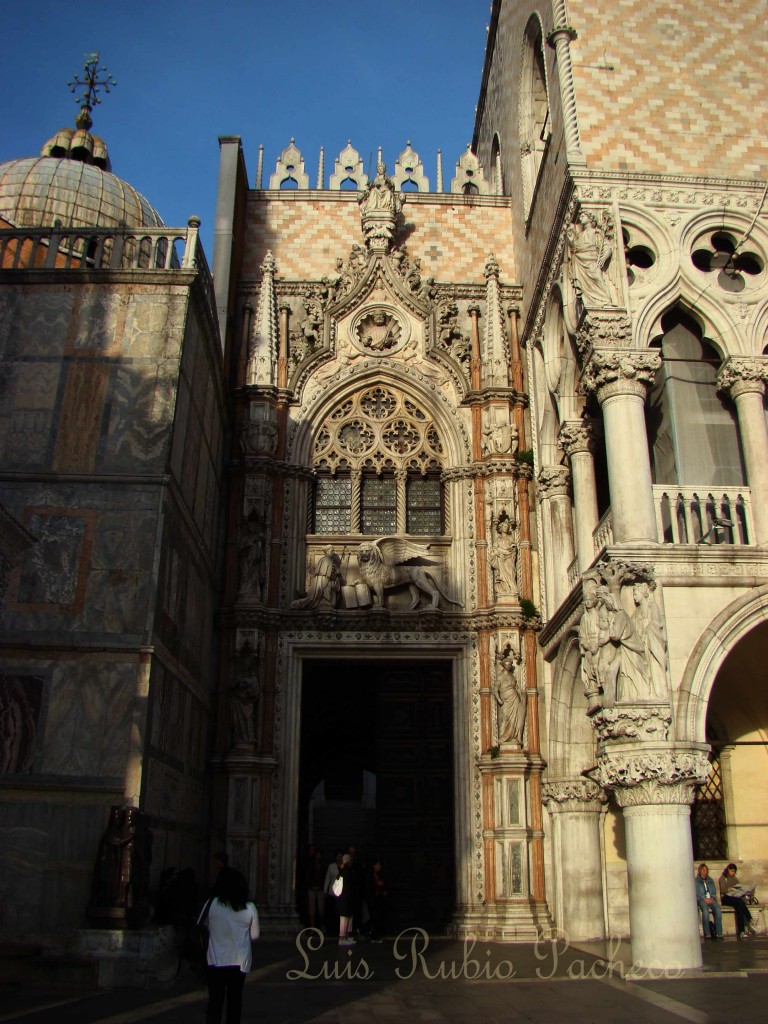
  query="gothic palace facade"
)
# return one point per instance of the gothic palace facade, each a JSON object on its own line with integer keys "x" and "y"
{"x": 438, "y": 526}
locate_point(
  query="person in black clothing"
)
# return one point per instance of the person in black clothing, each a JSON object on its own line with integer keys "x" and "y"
{"x": 346, "y": 901}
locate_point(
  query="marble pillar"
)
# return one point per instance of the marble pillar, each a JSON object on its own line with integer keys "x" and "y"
{"x": 553, "y": 493}
{"x": 654, "y": 787}
{"x": 577, "y": 440}
{"x": 575, "y": 808}
{"x": 620, "y": 379}
{"x": 745, "y": 380}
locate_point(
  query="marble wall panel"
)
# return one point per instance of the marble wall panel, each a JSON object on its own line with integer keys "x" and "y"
{"x": 137, "y": 430}
{"x": 54, "y": 570}
{"x": 97, "y": 322}
{"x": 47, "y": 852}
{"x": 34, "y": 321}
{"x": 20, "y": 704}
{"x": 153, "y": 326}
{"x": 119, "y": 581}
{"x": 90, "y": 713}
{"x": 78, "y": 430}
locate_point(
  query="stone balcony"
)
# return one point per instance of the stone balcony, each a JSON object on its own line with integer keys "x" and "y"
{"x": 142, "y": 250}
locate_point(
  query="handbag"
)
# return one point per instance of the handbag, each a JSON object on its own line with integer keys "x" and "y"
{"x": 338, "y": 886}
{"x": 197, "y": 941}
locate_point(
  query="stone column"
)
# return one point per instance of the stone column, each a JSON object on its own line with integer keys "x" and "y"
{"x": 575, "y": 806}
{"x": 620, "y": 379}
{"x": 553, "y": 494}
{"x": 745, "y": 380}
{"x": 577, "y": 440}
{"x": 654, "y": 787}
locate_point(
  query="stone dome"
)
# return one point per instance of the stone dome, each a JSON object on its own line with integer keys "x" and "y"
{"x": 37, "y": 191}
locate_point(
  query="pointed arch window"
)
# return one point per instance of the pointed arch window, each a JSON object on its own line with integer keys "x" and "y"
{"x": 378, "y": 464}
{"x": 692, "y": 430}
{"x": 534, "y": 116}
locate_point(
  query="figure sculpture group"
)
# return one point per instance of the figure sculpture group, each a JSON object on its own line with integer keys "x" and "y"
{"x": 623, "y": 657}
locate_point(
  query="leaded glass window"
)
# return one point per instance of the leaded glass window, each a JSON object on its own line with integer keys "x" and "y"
{"x": 378, "y": 505}
{"x": 423, "y": 505}
{"x": 333, "y": 504}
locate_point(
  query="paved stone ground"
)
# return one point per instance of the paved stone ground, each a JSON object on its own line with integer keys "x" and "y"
{"x": 442, "y": 982}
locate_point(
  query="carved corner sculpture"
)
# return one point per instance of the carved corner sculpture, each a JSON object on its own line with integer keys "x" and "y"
{"x": 390, "y": 562}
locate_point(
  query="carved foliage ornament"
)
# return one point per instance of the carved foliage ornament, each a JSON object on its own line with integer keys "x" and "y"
{"x": 576, "y": 436}
{"x": 603, "y": 329}
{"x": 657, "y": 777}
{"x": 573, "y": 791}
{"x": 740, "y": 375}
{"x": 611, "y": 371}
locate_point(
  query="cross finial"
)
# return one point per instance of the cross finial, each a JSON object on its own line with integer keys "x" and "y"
{"x": 91, "y": 83}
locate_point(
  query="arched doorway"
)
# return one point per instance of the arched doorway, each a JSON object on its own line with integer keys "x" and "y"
{"x": 376, "y": 770}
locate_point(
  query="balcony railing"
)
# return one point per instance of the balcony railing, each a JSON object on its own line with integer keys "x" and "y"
{"x": 703, "y": 515}
{"x": 107, "y": 249}
{"x": 692, "y": 514}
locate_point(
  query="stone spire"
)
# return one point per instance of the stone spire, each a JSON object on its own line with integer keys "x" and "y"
{"x": 262, "y": 350}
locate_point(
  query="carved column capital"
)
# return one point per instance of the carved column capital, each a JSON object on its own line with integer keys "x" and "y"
{"x": 741, "y": 375}
{"x": 662, "y": 776}
{"x": 573, "y": 795}
{"x": 637, "y": 722}
{"x": 610, "y": 372}
{"x": 577, "y": 437}
{"x": 603, "y": 328}
{"x": 553, "y": 481}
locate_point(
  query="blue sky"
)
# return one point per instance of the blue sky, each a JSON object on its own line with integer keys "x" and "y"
{"x": 188, "y": 71}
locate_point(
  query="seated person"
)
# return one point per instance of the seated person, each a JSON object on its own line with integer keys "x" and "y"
{"x": 731, "y": 895}
{"x": 706, "y": 898}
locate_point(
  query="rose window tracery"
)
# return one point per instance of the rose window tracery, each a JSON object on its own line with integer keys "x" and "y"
{"x": 380, "y": 430}
{"x": 378, "y": 462}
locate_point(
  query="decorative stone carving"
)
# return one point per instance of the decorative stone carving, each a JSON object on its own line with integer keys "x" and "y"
{"x": 409, "y": 170}
{"x": 379, "y": 332}
{"x": 324, "y": 582}
{"x": 577, "y": 437}
{"x": 573, "y": 795}
{"x": 259, "y": 432}
{"x": 389, "y": 562}
{"x": 603, "y": 328}
{"x": 500, "y": 435}
{"x": 510, "y": 697}
{"x": 449, "y": 337}
{"x": 244, "y": 696}
{"x": 252, "y": 548}
{"x": 470, "y": 179}
{"x": 495, "y": 354}
{"x": 348, "y": 166}
{"x": 624, "y": 372}
{"x": 290, "y": 167}
{"x": 590, "y": 248}
{"x": 740, "y": 375}
{"x": 553, "y": 481}
{"x": 653, "y": 777}
{"x": 262, "y": 350}
{"x": 503, "y": 554}
{"x": 379, "y": 207}
{"x": 624, "y": 659}
{"x": 641, "y": 723}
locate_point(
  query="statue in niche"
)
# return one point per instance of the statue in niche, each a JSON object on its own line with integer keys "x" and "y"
{"x": 449, "y": 337}
{"x": 651, "y": 629}
{"x": 121, "y": 875}
{"x": 622, "y": 659}
{"x": 504, "y": 553}
{"x": 325, "y": 582}
{"x": 589, "y": 253}
{"x": 251, "y": 556}
{"x": 510, "y": 698}
{"x": 244, "y": 696}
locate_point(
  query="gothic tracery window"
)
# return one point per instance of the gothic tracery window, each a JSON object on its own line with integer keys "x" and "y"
{"x": 378, "y": 460}
{"x": 535, "y": 125}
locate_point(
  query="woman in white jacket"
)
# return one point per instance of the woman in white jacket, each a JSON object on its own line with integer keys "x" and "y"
{"x": 233, "y": 923}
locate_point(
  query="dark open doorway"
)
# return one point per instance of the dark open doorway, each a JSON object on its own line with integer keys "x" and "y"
{"x": 376, "y": 772}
